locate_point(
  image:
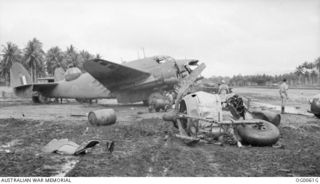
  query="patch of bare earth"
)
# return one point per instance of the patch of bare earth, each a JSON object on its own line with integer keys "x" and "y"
{"x": 148, "y": 148}
{"x": 21, "y": 142}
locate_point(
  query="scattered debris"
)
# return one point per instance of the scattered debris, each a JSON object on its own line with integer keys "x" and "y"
{"x": 278, "y": 146}
{"x": 82, "y": 149}
{"x": 110, "y": 146}
{"x": 64, "y": 146}
{"x": 200, "y": 113}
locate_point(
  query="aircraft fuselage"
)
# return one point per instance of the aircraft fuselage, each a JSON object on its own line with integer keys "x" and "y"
{"x": 85, "y": 86}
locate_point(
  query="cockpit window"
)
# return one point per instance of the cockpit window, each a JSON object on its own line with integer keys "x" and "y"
{"x": 162, "y": 59}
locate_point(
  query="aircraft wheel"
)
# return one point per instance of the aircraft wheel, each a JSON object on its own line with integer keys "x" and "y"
{"x": 43, "y": 99}
{"x": 266, "y": 134}
{"x": 39, "y": 98}
{"x": 35, "y": 99}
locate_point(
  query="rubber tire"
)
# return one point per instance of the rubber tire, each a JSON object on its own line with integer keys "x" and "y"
{"x": 40, "y": 99}
{"x": 266, "y": 136}
{"x": 271, "y": 117}
{"x": 35, "y": 99}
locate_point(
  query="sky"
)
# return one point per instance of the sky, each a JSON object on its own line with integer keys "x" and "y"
{"x": 230, "y": 36}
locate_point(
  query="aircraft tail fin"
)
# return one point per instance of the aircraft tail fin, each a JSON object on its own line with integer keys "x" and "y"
{"x": 19, "y": 76}
{"x": 59, "y": 74}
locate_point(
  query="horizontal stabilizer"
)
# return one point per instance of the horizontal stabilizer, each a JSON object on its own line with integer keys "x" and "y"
{"x": 44, "y": 87}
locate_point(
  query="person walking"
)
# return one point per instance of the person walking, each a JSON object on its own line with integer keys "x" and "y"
{"x": 283, "y": 88}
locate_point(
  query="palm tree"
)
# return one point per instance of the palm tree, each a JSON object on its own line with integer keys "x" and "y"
{"x": 54, "y": 59}
{"x": 313, "y": 76}
{"x": 71, "y": 56}
{"x": 299, "y": 72}
{"x": 10, "y": 53}
{"x": 308, "y": 67}
{"x": 34, "y": 58}
{"x": 84, "y": 56}
{"x": 307, "y": 77}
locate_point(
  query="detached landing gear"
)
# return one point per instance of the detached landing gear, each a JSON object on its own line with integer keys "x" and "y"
{"x": 37, "y": 97}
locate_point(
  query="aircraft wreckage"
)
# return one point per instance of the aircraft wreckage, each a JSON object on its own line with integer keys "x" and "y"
{"x": 199, "y": 117}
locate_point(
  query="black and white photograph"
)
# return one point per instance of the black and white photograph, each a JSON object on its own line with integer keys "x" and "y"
{"x": 147, "y": 88}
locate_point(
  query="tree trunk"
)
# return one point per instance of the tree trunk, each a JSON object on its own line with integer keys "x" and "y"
{"x": 32, "y": 76}
{"x": 35, "y": 74}
{"x": 7, "y": 79}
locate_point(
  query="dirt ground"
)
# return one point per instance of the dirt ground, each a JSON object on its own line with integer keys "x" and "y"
{"x": 144, "y": 145}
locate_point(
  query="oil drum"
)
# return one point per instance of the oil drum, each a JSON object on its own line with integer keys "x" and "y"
{"x": 315, "y": 106}
{"x": 102, "y": 117}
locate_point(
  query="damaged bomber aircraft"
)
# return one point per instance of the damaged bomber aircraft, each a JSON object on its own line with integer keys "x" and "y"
{"x": 130, "y": 82}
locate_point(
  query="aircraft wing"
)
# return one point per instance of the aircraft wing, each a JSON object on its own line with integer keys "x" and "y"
{"x": 38, "y": 86}
{"x": 44, "y": 86}
{"x": 112, "y": 75}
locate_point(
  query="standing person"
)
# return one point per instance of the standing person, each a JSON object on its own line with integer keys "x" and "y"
{"x": 283, "y": 88}
{"x": 223, "y": 90}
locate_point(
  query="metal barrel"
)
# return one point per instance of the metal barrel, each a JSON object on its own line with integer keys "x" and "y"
{"x": 102, "y": 117}
{"x": 315, "y": 106}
